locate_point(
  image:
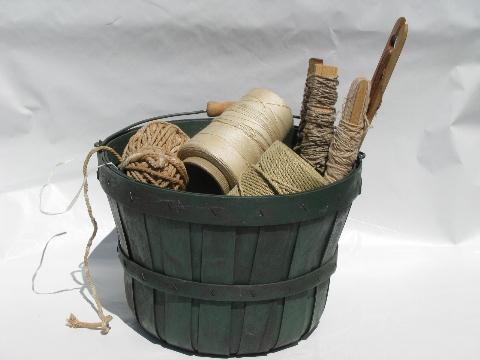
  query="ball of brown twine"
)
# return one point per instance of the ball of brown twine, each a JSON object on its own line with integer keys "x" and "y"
{"x": 151, "y": 156}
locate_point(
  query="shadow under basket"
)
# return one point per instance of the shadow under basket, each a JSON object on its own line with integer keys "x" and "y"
{"x": 224, "y": 275}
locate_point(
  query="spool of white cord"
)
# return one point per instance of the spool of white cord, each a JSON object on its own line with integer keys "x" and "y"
{"x": 222, "y": 151}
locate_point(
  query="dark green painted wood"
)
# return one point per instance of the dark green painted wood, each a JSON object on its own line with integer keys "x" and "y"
{"x": 311, "y": 240}
{"x": 225, "y": 240}
{"x": 134, "y": 223}
{"x": 174, "y": 239}
{"x": 154, "y": 228}
{"x": 245, "y": 246}
{"x": 196, "y": 243}
{"x": 119, "y": 226}
{"x": 123, "y": 243}
{"x": 272, "y": 263}
{"x": 218, "y": 252}
{"x": 322, "y": 290}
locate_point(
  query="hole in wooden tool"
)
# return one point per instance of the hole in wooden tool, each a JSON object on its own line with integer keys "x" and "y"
{"x": 393, "y": 40}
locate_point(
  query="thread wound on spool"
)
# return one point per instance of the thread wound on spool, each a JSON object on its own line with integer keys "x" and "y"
{"x": 238, "y": 137}
{"x": 350, "y": 132}
{"x": 151, "y": 156}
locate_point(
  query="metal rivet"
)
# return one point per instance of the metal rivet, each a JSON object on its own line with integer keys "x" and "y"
{"x": 143, "y": 276}
{"x": 131, "y": 196}
{"x": 260, "y": 212}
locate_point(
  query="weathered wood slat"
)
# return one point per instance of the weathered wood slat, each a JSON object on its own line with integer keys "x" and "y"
{"x": 123, "y": 243}
{"x": 218, "y": 252}
{"x": 272, "y": 263}
{"x": 322, "y": 290}
{"x": 153, "y": 225}
{"x": 311, "y": 242}
{"x": 245, "y": 246}
{"x": 173, "y": 241}
{"x": 134, "y": 223}
{"x": 196, "y": 241}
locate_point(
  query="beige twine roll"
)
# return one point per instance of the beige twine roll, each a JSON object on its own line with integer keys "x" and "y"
{"x": 238, "y": 137}
{"x": 150, "y": 157}
{"x": 282, "y": 171}
{"x": 279, "y": 171}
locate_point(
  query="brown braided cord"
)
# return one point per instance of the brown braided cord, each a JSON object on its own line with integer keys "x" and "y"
{"x": 72, "y": 321}
{"x": 150, "y": 157}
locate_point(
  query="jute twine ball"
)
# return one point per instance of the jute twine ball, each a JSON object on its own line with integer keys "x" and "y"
{"x": 151, "y": 156}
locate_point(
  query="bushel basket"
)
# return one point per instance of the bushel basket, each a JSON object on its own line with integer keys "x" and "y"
{"x": 225, "y": 275}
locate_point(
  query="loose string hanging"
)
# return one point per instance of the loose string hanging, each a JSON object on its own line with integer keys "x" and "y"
{"x": 238, "y": 137}
{"x": 150, "y": 157}
{"x": 72, "y": 321}
{"x": 48, "y": 183}
{"x": 317, "y": 117}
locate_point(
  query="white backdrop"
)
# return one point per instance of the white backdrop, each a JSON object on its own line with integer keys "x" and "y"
{"x": 72, "y": 72}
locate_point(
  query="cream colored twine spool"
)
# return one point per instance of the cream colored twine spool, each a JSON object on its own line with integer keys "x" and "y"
{"x": 238, "y": 137}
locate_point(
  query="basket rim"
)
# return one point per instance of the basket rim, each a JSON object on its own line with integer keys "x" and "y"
{"x": 330, "y": 198}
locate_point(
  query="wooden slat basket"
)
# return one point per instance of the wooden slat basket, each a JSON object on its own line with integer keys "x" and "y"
{"x": 225, "y": 275}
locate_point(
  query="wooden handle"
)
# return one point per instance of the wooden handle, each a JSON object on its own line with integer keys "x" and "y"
{"x": 386, "y": 65}
{"x": 360, "y": 102}
{"x": 215, "y": 108}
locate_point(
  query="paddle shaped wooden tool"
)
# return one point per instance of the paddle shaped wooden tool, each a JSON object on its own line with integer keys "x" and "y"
{"x": 380, "y": 78}
{"x": 386, "y": 65}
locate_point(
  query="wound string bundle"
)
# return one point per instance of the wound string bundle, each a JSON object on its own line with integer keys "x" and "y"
{"x": 150, "y": 157}
{"x": 281, "y": 171}
{"x": 238, "y": 137}
{"x": 318, "y": 114}
{"x": 350, "y": 132}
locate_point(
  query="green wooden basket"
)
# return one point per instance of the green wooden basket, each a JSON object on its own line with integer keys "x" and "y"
{"x": 225, "y": 275}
